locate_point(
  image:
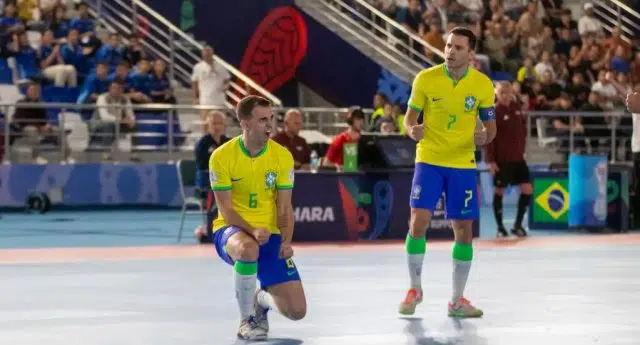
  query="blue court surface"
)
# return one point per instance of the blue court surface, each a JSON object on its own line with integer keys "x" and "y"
{"x": 560, "y": 289}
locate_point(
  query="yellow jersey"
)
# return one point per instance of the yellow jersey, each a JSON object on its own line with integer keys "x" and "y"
{"x": 450, "y": 110}
{"x": 253, "y": 181}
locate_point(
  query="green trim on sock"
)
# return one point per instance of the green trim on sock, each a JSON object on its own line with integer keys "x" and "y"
{"x": 415, "y": 245}
{"x": 245, "y": 268}
{"x": 462, "y": 251}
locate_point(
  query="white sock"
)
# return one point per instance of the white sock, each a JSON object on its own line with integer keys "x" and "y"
{"x": 460, "y": 274}
{"x": 245, "y": 285}
{"x": 265, "y": 300}
{"x": 415, "y": 270}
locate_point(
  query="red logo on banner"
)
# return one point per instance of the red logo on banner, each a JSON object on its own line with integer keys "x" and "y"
{"x": 276, "y": 48}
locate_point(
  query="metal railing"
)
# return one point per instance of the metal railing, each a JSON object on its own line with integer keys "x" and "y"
{"x": 159, "y": 130}
{"x": 165, "y": 40}
{"x": 391, "y": 39}
{"x": 614, "y": 13}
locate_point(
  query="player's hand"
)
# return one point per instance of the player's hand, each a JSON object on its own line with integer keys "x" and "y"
{"x": 633, "y": 102}
{"x": 493, "y": 168}
{"x": 416, "y": 132}
{"x": 261, "y": 235}
{"x": 480, "y": 137}
{"x": 286, "y": 251}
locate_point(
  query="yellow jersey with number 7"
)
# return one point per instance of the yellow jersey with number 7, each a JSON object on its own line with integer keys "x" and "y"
{"x": 450, "y": 110}
{"x": 253, "y": 181}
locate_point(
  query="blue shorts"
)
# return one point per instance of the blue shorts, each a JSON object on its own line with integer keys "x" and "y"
{"x": 272, "y": 270}
{"x": 459, "y": 186}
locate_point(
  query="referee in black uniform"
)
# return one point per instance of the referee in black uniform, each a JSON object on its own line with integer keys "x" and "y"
{"x": 505, "y": 157}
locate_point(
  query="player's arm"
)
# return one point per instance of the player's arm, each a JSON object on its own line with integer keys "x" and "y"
{"x": 221, "y": 186}
{"x": 284, "y": 206}
{"x": 487, "y": 112}
{"x": 414, "y": 107}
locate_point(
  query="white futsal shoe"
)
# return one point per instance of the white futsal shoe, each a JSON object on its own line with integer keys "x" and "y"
{"x": 261, "y": 314}
{"x": 249, "y": 330}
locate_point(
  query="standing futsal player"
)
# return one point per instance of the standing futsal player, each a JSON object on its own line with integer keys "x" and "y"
{"x": 451, "y": 96}
{"x": 252, "y": 178}
{"x": 505, "y": 157}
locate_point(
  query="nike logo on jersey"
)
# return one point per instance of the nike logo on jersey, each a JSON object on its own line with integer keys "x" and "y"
{"x": 436, "y": 99}
{"x": 290, "y": 273}
{"x": 236, "y": 179}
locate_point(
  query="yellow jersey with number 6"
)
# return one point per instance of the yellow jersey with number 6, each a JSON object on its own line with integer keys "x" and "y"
{"x": 253, "y": 181}
{"x": 450, "y": 111}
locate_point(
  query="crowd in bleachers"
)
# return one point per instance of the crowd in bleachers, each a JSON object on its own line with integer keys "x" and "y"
{"x": 557, "y": 61}
{"x": 59, "y": 48}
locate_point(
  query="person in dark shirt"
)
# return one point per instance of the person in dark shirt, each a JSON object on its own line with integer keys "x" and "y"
{"x": 9, "y": 21}
{"x": 562, "y": 46}
{"x": 71, "y": 54}
{"x": 161, "y": 91}
{"x": 134, "y": 52}
{"x": 123, "y": 76}
{"x": 59, "y": 24}
{"x": 141, "y": 82}
{"x": 578, "y": 90}
{"x": 49, "y": 57}
{"x": 290, "y": 139}
{"x": 27, "y": 62}
{"x": 111, "y": 52}
{"x": 550, "y": 89}
{"x": 505, "y": 157}
{"x": 215, "y": 123}
{"x": 596, "y": 128}
{"x": 95, "y": 85}
{"x": 29, "y": 124}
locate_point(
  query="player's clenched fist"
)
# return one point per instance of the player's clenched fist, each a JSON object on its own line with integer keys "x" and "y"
{"x": 286, "y": 251}
{"x": 416, "y": 132}
{"x": 261, "y": 235}
{"x": 633, "y": 102}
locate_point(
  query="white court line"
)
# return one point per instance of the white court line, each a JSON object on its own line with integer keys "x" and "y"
{"x": 59, "y": 314}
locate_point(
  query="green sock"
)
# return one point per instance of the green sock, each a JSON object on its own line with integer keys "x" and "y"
{"x": 462, "y": 256}
{"x": 416, "y": 247}
{"x": 245, "y": 283}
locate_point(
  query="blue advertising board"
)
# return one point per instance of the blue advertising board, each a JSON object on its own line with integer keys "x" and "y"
{"x": 344, "y": 207}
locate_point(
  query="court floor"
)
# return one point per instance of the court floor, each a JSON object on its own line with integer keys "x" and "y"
{"x": 567, "y": 289}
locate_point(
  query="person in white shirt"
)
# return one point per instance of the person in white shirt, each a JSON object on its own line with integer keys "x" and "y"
{"x": 209, "y": 81}
{"x": 606, "y": 89}
{"x": 588, "y": 24}
{"x": 113, "y": 108}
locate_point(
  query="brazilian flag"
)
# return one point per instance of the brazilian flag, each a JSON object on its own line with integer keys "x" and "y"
{"x": 551, "y": 200}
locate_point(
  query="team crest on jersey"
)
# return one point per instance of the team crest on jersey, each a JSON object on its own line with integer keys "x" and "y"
{"x": 270, "y": 179}
{"x": 469, "y": 103}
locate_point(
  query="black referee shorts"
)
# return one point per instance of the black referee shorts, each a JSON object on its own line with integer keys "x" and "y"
{"x": 511, "y": 174}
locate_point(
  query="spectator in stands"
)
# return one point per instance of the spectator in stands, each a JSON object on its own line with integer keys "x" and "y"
{"x": 387, "y": 115}
{"x": 379, "y": 101}
{"x": 567, "y": 23}
{"x": 596, "y": 129}
{"x": 563, "y": 126}
{"x": 527, "y": 73}
{"x": 209, "y": 81}
{"x": 615, "y": 41}
{"x": 608, "y": 92}
{"x": 95, "y": 85}
{"x": 529, "y": 24}
{"x": 122, "y": 75}
{"x": 83, "y": 22}
{"x": 71, "y": 54}
{"x": 134, "y": 52}
{"x": 161, "y": 91}
{"x": 215, "y": 137}
{"x": 112, "y": 52}
{"x": 578, "y": 90}
{"x": 589, "y": 25}
{"x": 562, "y": 45}
{"x": 289, "y": 137}
{"x": 496, "y": 46}
{"x": 550, "y": 89}
{"x": 141, "y": 82}
{"x": 59, "y": 24}
{"x": 544, "y": 65}
{"x": 387, "y": 127}
{"x": 635, "y": 70}
{"x": 26, "y": 59}
{"x": 31, "y": 127}
{"x": 435, "y": 38}
{"x": 335, "y": 154}
{"x": 114, "y": 109}
{"x": 9, "y": 20}
{"x": 50, "y": 63}
{"x": 619, "y": 61}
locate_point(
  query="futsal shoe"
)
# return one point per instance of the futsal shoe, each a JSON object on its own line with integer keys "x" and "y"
{"x": 463, "y": 309}
{"x": 519, "y": 231}
{"x": 261, "y": 314}
{"x": 411, "y": 300}
{"x": 502, "y": 232}
{"x": 249, "y": 330}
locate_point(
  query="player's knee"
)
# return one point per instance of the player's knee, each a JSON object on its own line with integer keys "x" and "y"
{"x": 526, "y": 189}
{"x": 419, "y": 222}
{"x": 248, "y": 250}
{"x": 297, "y": 313}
